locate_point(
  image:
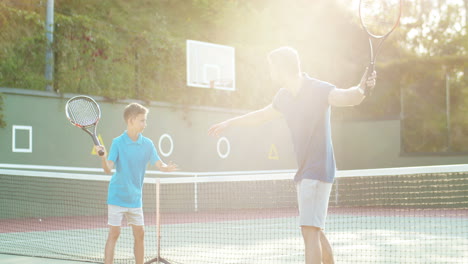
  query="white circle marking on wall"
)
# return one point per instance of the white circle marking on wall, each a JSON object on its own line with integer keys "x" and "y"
{"x": 228, "y": 151}
{"x": 168, "y": 153}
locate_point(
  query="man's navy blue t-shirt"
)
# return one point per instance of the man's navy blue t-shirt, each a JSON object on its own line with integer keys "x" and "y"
{"x": 308, "y": 117}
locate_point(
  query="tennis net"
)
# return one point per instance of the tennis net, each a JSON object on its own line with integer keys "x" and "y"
{"x": 399, "y": 215}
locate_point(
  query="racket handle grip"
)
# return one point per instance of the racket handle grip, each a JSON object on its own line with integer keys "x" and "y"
{"x": 97, "y": 143}
{"x": 370, "y": 71}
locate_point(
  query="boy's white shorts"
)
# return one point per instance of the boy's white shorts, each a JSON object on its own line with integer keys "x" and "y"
{"x": 115, "y": 215}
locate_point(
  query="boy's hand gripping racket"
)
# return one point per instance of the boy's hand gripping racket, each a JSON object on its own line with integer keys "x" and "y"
{"x": 84, "y": 112}
{"x": 379, "y": 18}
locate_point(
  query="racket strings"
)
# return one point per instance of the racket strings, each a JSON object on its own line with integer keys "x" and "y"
{"x": 379, "y": 17}
{"x": 83, "y": 112}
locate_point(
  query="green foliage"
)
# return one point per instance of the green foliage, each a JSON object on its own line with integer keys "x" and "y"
{"x": 23, "y": 46}
{"x": 432, "y": 47}
{"x": 103, "y": 48}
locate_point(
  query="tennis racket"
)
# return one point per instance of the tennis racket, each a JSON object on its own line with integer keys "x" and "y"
{"x": 84, "y": 112}
{"x": 379, "y": 18}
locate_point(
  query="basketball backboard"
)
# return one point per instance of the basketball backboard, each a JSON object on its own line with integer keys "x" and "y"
{"x": 210, "y": 65}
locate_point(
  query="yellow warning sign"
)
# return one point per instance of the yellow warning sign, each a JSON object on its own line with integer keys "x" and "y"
{"x": 273, "y": 154}
{"x": 93, "y": 152}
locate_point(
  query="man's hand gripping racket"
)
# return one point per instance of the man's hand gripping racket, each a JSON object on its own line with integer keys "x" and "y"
{"x": 367, "y": 82}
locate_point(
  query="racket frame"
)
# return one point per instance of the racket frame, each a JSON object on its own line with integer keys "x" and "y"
{"x": 86, "y": 128}
{"x": 374, "y": 38}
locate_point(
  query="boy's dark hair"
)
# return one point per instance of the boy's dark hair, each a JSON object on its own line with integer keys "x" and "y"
{"x": 134, "y": 109}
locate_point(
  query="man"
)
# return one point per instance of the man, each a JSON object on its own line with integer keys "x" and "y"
{"x": 305, "y": 104}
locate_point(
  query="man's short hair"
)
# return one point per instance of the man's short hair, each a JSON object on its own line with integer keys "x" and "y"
{"x": 286, "y": 58}
{"x": 134, "y": 109}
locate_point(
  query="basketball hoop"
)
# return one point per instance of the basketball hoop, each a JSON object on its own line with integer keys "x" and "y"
{"x": 224, "y": 84}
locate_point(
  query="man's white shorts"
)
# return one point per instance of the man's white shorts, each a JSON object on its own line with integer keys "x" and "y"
{"x": 115, "y": 215}
{"x": 312, "y": 198}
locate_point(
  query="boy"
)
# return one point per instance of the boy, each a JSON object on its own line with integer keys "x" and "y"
{"x": 305, "y": 102}
{"x": 129, "y": 153}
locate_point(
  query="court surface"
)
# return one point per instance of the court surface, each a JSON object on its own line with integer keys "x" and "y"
{"x": 399, "y": 215}
{"x": 377, "y": 237}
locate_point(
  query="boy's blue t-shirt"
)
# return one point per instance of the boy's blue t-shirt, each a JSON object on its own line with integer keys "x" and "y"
{"x": 130, "y": 159}
{"x": 308, "y": 117}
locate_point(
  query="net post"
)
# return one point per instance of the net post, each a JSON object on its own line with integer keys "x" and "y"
{"x": 337, "y": 184}
{"x": 158, "y": 217}
{"x": 195, "y": 194}
{"x": 158, "y": 258}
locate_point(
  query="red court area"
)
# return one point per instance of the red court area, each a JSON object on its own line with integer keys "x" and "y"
{"x": 92, "y": 222}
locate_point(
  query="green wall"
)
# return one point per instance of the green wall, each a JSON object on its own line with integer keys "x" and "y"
{"x": 376, "y": 144}
{"x": 55, "y": 142}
